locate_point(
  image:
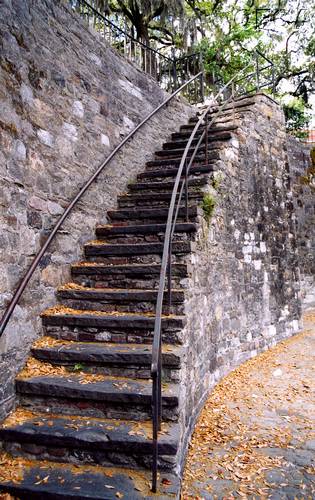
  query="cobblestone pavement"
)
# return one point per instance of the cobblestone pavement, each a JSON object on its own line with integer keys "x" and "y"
{"x": 255, "y": 437}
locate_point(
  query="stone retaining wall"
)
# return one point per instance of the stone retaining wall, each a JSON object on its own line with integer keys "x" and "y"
{"x": 66, "y": 100}
{"x": 302, "y": 173}
{"x": 243, "y": 291}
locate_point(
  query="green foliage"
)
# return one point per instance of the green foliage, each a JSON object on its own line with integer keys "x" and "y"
{"x": 208, "y": 206}
{"x": 78, "y": 367}
{"x": 297, "y": 117}
{"x": 148, "y": 17}
{"x": 216, "y": 182}
{"x": 227, "y": 32}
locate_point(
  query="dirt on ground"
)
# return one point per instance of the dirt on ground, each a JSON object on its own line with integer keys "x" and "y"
{"x": 255, "y": 437}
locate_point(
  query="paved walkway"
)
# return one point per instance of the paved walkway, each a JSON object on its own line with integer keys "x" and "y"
{"x": 255, "y": 437}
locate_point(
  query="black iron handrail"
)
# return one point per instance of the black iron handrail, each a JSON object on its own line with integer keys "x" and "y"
{"x": 19, "y": 291}
{"x": 184, "y": 167}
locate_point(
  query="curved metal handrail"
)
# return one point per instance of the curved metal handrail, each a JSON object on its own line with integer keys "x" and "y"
{"x": 17, "y": 294}
{"x": 166, "y": 258}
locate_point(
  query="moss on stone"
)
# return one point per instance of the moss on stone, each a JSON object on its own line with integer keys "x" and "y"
{"x": 208, "y": 206}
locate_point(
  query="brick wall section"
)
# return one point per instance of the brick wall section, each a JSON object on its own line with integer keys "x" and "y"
{"x": 302, "y": 173}
{"x": 66, "y": 100}
{"x": 243, "y": 291}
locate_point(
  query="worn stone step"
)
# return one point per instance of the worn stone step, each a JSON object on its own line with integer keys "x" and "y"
{"x": 109, "y": 230}
{"x": 132, "y": 271}
{"x": 186, "y": 130}
{"x": 163, "y": 186}
{"x": 219, "y": 138}
{"x": 123, "y": 360}
{"x": 149, "y": 213}
{"x": 152, "y": 199}
{"x": 173, "y": 163}
{"x": 52, "y": 481}
{"x": 89, "y": 353}
{"x": 120, "y": 253}
{"x": 179, "y": 151}
{"x": 105, "y": 442}
{"x": 124, "y": 276}
{"x": 61, "y": 316}
{"x": 112, "y": 397}
{"x": 113, "y": 295}
{"x": 239, "y": 105}
{"x": 118, "y": 327}
{"x": 162, "y": 171}
{"x": 121, "y": 299}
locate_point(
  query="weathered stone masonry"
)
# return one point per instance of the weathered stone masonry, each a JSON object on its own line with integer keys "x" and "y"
{"x": 243, "y": 291}
{"x": 66, "y": 100}
{"x": 302, "y": 178}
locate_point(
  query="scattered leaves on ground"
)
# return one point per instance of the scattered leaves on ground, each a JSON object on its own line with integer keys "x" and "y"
{"x": 244, "y": 417}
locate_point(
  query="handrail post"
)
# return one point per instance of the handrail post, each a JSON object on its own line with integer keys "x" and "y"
{"x": 257, "y": 72}
{"x": 206, "y": 140}
{"x": 174, "y": 69}
{"x": 155, "y": 432}
{"x": 186, "y": 193}
{"x": 169, "y": 276}
{"x": 233, "y": 96}
{"x": 273, "y": 81}
{"x": 160, "y": 389}
{"x": 202, "y": 78}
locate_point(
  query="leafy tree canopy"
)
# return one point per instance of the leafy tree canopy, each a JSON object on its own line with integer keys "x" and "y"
{"x": 227, "y": 32}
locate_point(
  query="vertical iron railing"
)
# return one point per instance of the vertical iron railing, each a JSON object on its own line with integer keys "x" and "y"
{"x": 169, "y": 72}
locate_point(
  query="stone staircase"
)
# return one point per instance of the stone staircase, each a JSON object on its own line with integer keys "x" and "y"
{"x": 82, "y": 427}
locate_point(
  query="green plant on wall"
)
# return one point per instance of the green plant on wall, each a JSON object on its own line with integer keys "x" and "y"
{"x": 208, "y": 206}
{"x": 216, "y": 182}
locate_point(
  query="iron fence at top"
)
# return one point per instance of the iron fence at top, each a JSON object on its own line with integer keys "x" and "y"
{"x": 169, "y": 72}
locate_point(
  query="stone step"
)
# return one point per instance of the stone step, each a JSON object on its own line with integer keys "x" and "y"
{"x": 225, "y": 136}
{"x": 124, "y": 276}
{"x": 52, "y": 481}
{"x": 161, "y": 164}
{"x": 131, "y": 200}
{"x": 132, "y": 271}
{"x": 149, "y": 213}
{"x": 163, "y": 186}
{"x": 162, "y": 171}
{"x": 80, "y": 440}
{"x": 239, "y": 104}
{"x": 128, "y": 253}
{"x": 113, "y": 295}
{"x": 121, "y": 299}
{"x": 179, "y": 151}
{"x": 118, "y": 327}
{"x": 102, "y": 354}
{"x": 212, "y": 130}
{"x": 61, "y": 316}
{"x": 109, "y": 230}
{"x": 186, "y": 130}
{"x": 111, "y": 397}
{"x": 124, "y": 360}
